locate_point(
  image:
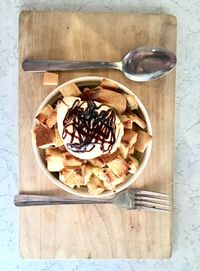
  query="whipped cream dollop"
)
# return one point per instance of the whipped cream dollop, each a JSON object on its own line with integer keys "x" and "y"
{"x": 89, "y": 129}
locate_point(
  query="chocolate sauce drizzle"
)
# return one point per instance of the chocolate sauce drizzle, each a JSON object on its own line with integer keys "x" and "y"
{"x": 89, "y": 126}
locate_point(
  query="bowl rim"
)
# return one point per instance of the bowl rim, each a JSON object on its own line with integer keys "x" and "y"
{"x": 120, "y": 187}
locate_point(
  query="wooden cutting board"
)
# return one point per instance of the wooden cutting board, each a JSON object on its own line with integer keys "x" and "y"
{"x": 95, "y": 231}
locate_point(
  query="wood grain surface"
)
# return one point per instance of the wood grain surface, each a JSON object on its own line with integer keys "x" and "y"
{"x": 95, "y": 231}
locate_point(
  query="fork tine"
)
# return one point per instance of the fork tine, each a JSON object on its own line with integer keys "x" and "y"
{"x": 152, "y": 204}
{"x": 151, "y": 209}
{"x": 141, "y": 197}
{"x": 151, "y": 193}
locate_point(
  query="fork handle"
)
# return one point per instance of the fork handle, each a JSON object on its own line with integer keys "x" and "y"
{"x": 23, "y": 200}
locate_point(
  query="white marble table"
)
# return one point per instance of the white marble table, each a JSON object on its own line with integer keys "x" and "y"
{"x": 186, "y": 248}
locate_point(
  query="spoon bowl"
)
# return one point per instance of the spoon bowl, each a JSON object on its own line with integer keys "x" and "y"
{"x": 147, "y": 63}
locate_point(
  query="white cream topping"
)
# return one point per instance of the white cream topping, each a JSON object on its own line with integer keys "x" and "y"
{"x": 96, "y": 151}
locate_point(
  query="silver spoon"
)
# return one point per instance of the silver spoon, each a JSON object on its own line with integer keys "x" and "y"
{"x": 142, "y": 64}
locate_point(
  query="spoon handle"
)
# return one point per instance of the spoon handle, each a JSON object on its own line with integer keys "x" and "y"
{"x": 60, "y": 65}
{"x": 39, "y": 200}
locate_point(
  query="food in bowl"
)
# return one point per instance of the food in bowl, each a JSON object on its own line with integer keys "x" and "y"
{"x": 92, "y": 136}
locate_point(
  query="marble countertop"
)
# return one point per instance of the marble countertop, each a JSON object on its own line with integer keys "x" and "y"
{"x": 186, "y": 240}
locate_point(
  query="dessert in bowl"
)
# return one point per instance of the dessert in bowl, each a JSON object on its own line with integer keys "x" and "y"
{"x": 92, "y": 137}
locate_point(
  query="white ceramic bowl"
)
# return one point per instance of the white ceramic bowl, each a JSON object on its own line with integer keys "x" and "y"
{"x": 39, "y": 154}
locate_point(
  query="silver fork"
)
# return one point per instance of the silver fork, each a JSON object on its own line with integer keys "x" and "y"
{"x": 128, "y": 199}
